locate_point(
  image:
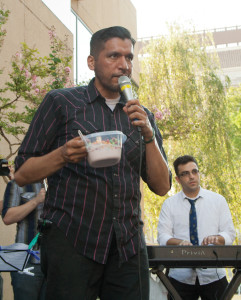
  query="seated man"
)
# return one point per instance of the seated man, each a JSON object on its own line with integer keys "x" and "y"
{"x": 211, "y": 223}
{"x": 1, "y": 280}
{"x": 23, "y": 205}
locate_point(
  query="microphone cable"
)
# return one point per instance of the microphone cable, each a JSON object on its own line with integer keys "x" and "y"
{"x": 125, "y": 87}
{"x": 138, "y": 214}
{"x": 217, "y": 258}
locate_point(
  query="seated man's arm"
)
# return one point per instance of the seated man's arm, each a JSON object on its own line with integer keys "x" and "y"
{"x": 18, "y": 213}
{"x": 178, "y": 242}
{"x": 226, "y": 231}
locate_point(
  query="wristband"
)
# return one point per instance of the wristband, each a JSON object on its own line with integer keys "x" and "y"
{"x": 152, "y": 138}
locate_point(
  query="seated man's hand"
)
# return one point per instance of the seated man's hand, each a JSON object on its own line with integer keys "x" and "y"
{"x": 185, "y": 243}
{"x": 214, "y": 240}
{"x": 41, "y": 196}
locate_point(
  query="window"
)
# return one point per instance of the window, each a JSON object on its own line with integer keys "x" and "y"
{"x": 62, "y": 10}
{"x": 81, "y": 37}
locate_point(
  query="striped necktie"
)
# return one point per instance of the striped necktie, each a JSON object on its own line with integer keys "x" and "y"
{"x": 193, "y": 222}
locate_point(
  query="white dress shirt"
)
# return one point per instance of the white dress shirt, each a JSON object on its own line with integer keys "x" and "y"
{"x": 213, "y": 218}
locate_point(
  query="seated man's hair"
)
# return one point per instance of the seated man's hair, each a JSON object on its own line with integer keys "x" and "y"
{"x": 182, "y": 160}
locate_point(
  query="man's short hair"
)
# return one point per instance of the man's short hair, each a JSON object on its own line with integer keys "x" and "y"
{"x": 99, "y": 38}
{"x": 182, "y": 160}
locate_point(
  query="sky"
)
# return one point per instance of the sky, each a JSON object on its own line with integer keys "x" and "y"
{"x": 154, "y": 15}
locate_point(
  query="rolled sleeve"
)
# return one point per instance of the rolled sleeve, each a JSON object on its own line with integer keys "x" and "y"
{"x": 226, "y": 227}
{"x": 11, "y": 197}
{"x": 164, "y": 227}
{"x": 42, "y": 130}
{"x": 227, "y": 238}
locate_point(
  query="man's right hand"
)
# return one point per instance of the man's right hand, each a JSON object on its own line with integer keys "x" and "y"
{"x": 74, "y": 150}
{"x": 185, "y": 243}
{"x": 37, "y": 168}
{"x": 178, "y": 242}
{"x": 41, "y": 196}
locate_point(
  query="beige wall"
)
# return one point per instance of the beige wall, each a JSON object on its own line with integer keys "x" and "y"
{"x": 102, "y": 13}
{"x": 30, "y": 21}
{"x": 97, "y": 14}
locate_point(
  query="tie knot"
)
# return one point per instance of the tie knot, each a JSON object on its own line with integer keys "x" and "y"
{"x": 192, "y": 201}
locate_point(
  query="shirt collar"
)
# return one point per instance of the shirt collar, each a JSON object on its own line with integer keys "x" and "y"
{"x": 199, "y": 195}
{"x": 93, "y": 94}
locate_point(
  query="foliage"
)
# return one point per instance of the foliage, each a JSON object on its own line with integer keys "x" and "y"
{"x": 30, "y": 78}
{"x": 3, "y": 19}
{"x": 180, "y": 83}
{"x": 234, "y": 108}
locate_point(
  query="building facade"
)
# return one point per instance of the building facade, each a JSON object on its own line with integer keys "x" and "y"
{"x": 227, "y": 44}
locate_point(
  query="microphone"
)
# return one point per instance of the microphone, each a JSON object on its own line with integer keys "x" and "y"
{"x": 125, "y": 87}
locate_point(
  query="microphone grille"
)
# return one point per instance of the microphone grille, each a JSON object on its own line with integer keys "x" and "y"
{"x": 123, "y": 80}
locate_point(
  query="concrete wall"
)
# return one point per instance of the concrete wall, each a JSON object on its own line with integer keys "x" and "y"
{"x": 104, "y": 13}
{"x": 30, "y": 22}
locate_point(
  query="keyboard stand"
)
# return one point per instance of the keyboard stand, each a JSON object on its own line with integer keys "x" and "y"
{"x": 233, "y": 285}
{"x": 165, "y": 280}
{"x": 227, "y": 295}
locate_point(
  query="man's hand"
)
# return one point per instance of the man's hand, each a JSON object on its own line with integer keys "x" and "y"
{"x": 74, "y": 150}
{"x": 214, "y": 240}
{"x": 41, "y": 196}
{"x": 11, "y": 172}
{"x": 157, "y": 171}
{"x": 178, "y": 242}
{"x": 185, "y": 243}
{"x": 138, "y": 117}
{"x": 35, "y": 169}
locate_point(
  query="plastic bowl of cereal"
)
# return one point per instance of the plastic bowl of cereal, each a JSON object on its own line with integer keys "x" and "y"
{"x": 104, "y": 148}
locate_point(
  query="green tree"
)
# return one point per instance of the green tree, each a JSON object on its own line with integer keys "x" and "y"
{"x": 31, "y": 77}
{"x": 234, "y": 109}
{"x": 179, "y": 82}
{"x": 3, "y": 19}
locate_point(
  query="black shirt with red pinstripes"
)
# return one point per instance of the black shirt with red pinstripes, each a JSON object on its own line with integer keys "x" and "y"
{"x": 89, "y": 204}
